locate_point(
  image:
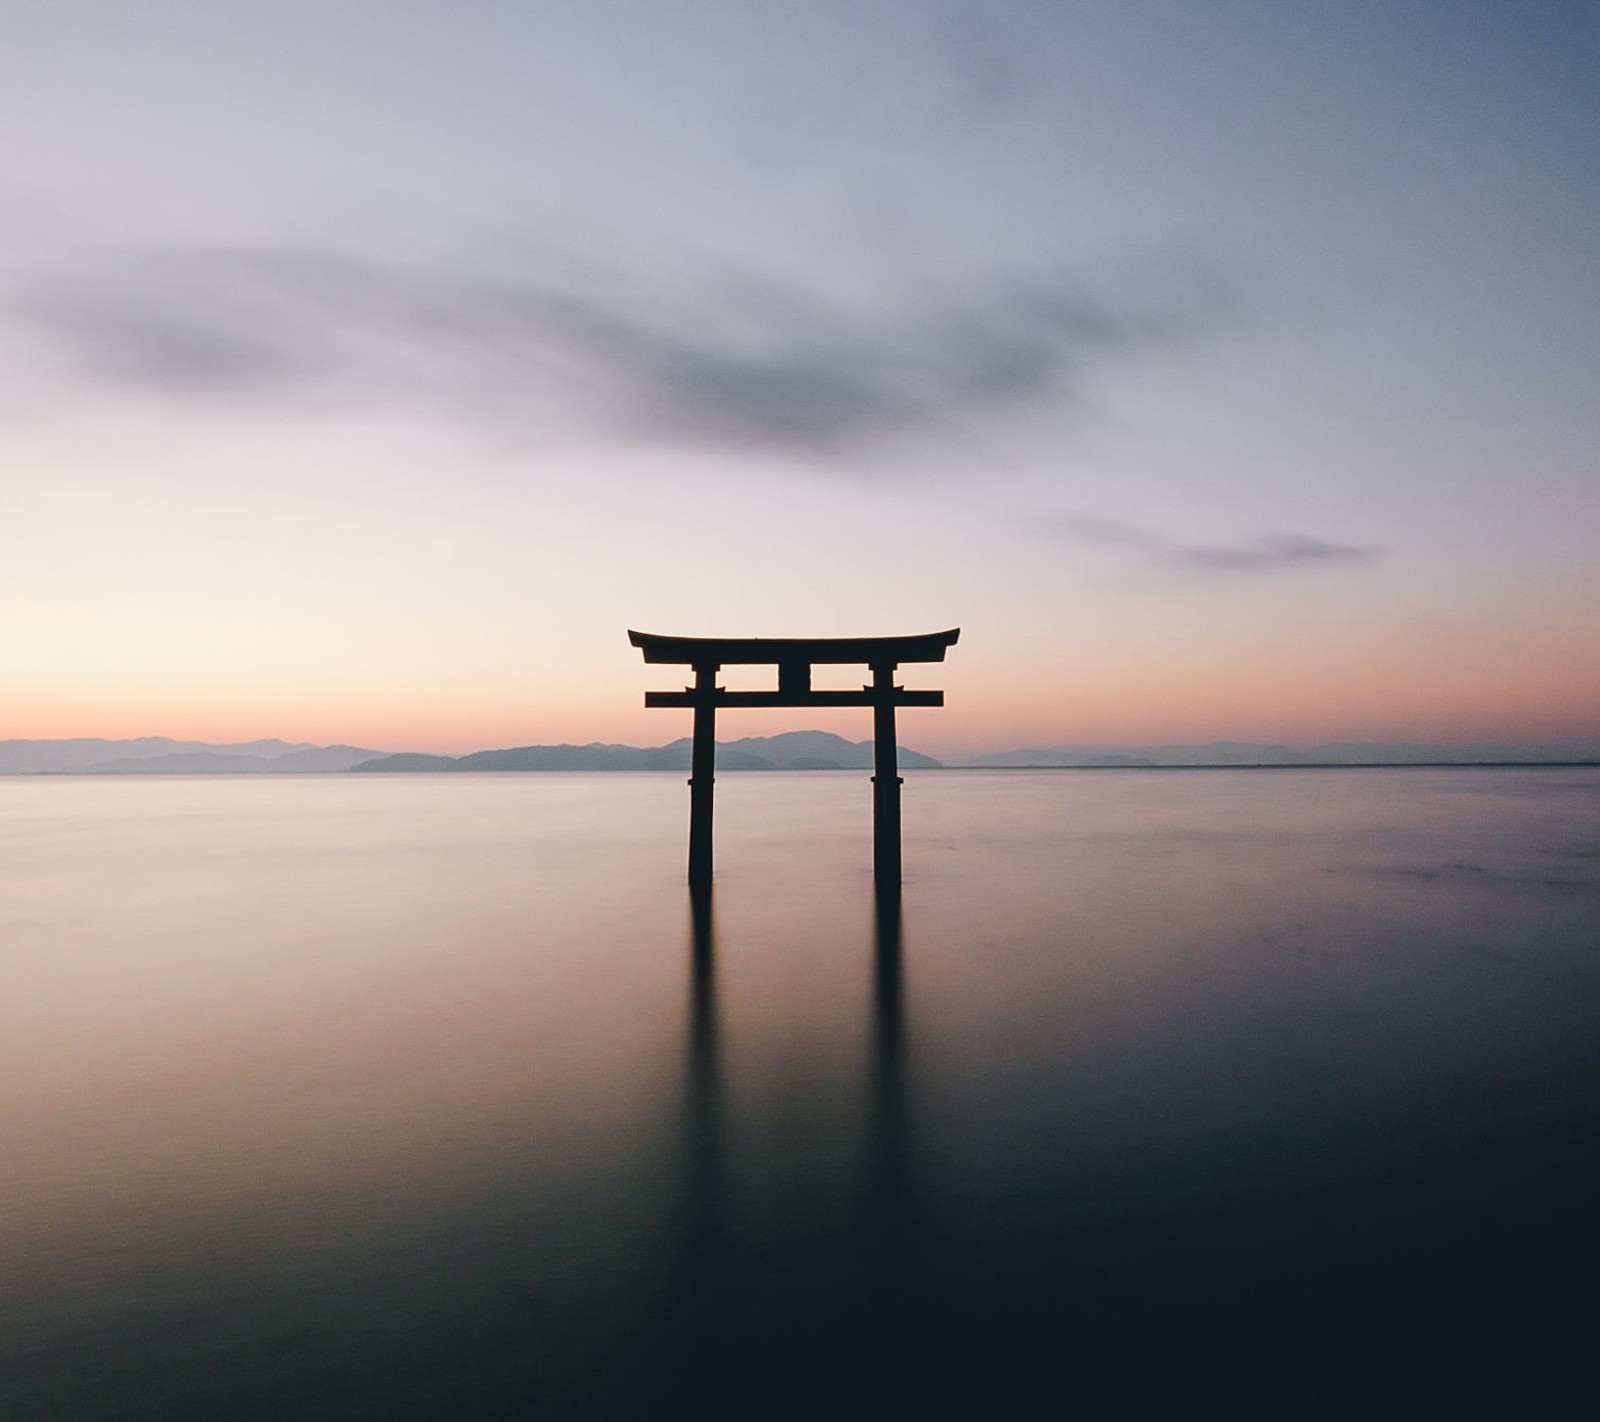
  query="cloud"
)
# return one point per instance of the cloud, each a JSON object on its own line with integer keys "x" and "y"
{"x": 728, "y": 356}
{"x": 1097, "y": 531}
{"x": 984, "y": 63}
{"x": 1270, "y": 553}
{"x": 1274, "y": 553}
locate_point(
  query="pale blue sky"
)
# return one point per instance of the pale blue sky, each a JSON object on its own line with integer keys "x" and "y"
{"x": 1223, "y": 369}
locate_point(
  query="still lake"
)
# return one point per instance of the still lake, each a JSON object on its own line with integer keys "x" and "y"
{"x": 435, "y": 1095}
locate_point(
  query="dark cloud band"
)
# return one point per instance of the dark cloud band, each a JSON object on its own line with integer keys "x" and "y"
{"x": 736, "y": 358}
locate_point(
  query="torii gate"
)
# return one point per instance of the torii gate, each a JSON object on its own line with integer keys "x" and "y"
{"x": 794, "y": 657}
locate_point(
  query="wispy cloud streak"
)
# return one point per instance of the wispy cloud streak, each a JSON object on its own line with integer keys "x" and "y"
{"x": 1268, "y": 553}
{"x": 1276, "y": 552}
{"x": 732, "y": 358}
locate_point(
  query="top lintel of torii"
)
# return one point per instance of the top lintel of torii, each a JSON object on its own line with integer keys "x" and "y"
{"x": 713, "y": 652}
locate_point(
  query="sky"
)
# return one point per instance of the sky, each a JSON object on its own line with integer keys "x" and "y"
{"x": 1223, "y": 371}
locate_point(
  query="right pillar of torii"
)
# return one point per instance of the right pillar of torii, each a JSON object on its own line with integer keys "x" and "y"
{"x": 885, "y": 778}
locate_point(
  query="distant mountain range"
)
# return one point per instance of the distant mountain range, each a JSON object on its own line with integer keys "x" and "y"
{"x": 794, "y": 750}
{"x": 1246, "y": 753}
{"x": 156, "y": 755}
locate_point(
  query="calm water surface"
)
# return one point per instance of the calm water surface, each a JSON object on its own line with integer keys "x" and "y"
{"x": 436, "y": 1095}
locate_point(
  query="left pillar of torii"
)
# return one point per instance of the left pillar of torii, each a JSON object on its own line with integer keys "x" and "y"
{"x": 702, "y": 776}
{"x": 794, "y": 657}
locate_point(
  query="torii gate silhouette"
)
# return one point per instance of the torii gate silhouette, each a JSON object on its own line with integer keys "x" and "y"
{"x": 794, "y": 657}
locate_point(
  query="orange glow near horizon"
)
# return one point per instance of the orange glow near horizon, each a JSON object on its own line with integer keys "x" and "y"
{"x": 1381, "y": 697}
{"x": 1449, "y": 680}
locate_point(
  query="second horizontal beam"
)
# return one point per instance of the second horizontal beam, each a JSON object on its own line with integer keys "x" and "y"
{"x": 865, "y": 697}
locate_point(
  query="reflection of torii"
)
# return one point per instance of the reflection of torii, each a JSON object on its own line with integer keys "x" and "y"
{"x": 882, "y": 1234}
{"x": 794, "y": 657}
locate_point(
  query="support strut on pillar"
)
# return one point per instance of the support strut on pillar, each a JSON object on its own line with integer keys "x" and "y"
{"x": 885, "y": 780}
{"x": 701, "y": 777}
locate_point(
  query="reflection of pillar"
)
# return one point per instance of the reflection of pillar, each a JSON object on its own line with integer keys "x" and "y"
{"x": 887, "y": 1002}
{"x": 703, "y": 1113}
{"x": 701, "y": 776}
{"x": 889, "y": 1195}
{"x": 885, "y": 780}
{"x": 700, "y": 1260}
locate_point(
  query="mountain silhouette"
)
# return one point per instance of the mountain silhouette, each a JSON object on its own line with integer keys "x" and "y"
{"x": 159, "y": 755}
{"x": 793, "y": 750}
{"x": 1249, "y": 753}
